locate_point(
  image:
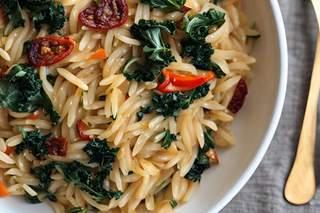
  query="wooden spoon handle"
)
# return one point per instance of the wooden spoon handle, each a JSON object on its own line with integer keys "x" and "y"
{"x": 301, "y": 183}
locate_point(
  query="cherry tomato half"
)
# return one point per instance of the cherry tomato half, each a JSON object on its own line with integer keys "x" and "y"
{"x": 57, "y": 146}
{"x": 49, "y": 50}
{"x": 109, "y": 14}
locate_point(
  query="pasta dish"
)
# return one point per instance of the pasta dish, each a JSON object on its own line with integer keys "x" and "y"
{"x": 118, "y": 105}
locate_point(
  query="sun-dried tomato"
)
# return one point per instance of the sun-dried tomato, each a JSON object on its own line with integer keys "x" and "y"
{"x": 185, "y": 8}
{"x": 50, "y": 50}
{"x": 238, "y": 97}
{"x": 109, "y": 14}
{"x": 57, "y": 146}
{"x": 81, "y": 127}
{"x": 3, "y": 15}
{"x": 3, "y": 71}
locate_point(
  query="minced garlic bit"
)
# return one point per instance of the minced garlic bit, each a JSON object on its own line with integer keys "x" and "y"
{"x": 212, "y": 155}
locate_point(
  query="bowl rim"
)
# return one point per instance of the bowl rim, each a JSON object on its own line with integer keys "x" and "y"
{"x": 239, "y": 184}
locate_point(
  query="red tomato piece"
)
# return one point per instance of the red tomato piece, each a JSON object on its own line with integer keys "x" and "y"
{"x": 4, "y": 69}
{"x": 185, "y": 8}
{"x": 109, "y": 14}
{"x": 36, "y": 114}
{"x": 175, "y": 83}
{"x": 238, "y": 97}
{"x": 9, "y": 149}
{"x": 57, "y": 146}
{"x": 81, "y": 127}
{"x": 50, "y": 50}
{"x": 3, "y": 16}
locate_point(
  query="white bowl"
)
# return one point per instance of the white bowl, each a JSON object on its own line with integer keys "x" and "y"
{"x": 257, "y": 121}
{"x": 253, "y": 128}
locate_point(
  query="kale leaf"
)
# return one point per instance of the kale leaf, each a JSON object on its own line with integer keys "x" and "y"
{"x": 27, "y": 46}
{"x": 99, "y": 151}
{"x": 76, "y": 172}
{"x": 43, "y": 173}
{"x": 202, "y": 161}
{"x": 201, "y": 53}
{"x": 54, "y": 16}
{"x": 43, "y": 12}
{"x": 195, "y": 46}
{"x": 52, "y": 79}
{"x": 21, "y": 91}
{"x": 77, "y": 210}
{"x": 158, "y": 55}
{"x": 49, "y": 109}
{"x": 168, "y": 139}
{"x": 217, "y": 1}
{"x": 198, "y": 27}
{"x": 170, "y": 104}
{"x": 169, "y": 5}
{"x": 96, "y": 189}
{"x": 40, "y": 191}
{"x": 13, "y": 11}
{"x": 33, "y": 140}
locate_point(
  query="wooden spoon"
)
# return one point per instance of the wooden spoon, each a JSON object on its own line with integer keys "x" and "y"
{"x": 301, "y": 183}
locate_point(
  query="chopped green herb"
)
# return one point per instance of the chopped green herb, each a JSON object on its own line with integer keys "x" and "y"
{"x": 33, "y": 140}
{"x": 7, "y": 28}
{"x": 168, "y": 139}
{"x": 169, "y": 5}
{"x": 22, "y": 132}
{"x": 77, "y": 210}
{"x": 27, "y": 46}
{"x": 217, "y": 1}
{"x": 81, "y": 100}
{"x": 161, "y": 187}
{"x": 49, "y": 109}
{"x": 114, "y": 117}
{"x": 129, "y": 63}
{"x": 39, "y": 198}
{"x": 99, "y": 151}
{"x": 52, "y": 79}
{"x": 102, "y": 97}
{"x": 162, "y": 78}
{"x": 253, "y": 26}
{"x": 173, "y": 203}
{"x": 202, "y": 161}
